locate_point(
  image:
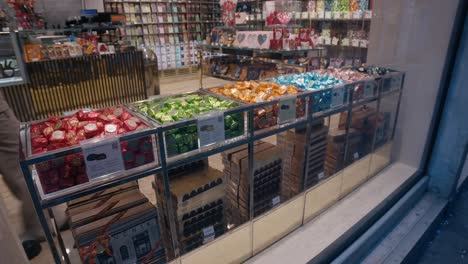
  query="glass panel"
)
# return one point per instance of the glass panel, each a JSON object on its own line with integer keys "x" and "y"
{"x": 384, "y": 133}
{"x": 362, "y": 126}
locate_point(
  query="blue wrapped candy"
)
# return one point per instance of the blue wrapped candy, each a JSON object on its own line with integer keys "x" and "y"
{"x": 308, "y": 81}
{"x": 312, "y": 81}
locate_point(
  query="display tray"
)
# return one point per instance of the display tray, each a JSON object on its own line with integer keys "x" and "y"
{"x": 181, "y": 117}
{"x": 74, "y": 152}
{"x": 278, "y": 108}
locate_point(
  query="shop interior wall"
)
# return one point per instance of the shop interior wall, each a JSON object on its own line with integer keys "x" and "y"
{"x": 413, "y": 36}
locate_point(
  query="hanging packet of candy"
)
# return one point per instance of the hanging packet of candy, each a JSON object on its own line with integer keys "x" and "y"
{"x": 229, "y": 14}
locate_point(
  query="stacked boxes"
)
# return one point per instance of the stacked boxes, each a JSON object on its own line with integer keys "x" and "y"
{"x": 267, "y": 179}
{"x": 292, "y": 145}
{"x": 198, "y": 203}
{"x": 116, "y": 226}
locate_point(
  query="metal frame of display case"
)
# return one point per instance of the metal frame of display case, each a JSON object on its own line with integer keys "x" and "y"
{"x": 394, "y": 80}
{"x": 255, "y": 55}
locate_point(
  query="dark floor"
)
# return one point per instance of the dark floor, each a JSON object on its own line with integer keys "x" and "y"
{"x": 450, "y": 242}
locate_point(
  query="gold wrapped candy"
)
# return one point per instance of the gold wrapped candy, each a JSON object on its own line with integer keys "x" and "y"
{"x": 255, "y": 92}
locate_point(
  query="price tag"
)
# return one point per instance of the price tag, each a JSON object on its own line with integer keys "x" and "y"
{"x": 259, "y": 16}
{"x": 369, "y": 89}
{"x": 356, "y": 156}
{"x": 336, "y": 15}
{"x": 335, "y": 41}
{"x": 368, "y": 14}
{"x": 102, "y": 156}
{"x": 211, "y": 129}
{"x": 328, "y": 14}
{"x": 346, "y": 15}
{"x": 305, "y": 15}
{"x": 275, "y": 201}
{"x": 327, "y": 41}
{"x": 297, "y": 15}
{"x": 357, "y": 15}
{"x": 321, "y": 15}
{"x": 208, "y": 234}
{"x": 287, "y": 109}
{"x": 363, "y": 43}
{"x": 337, "y": 97}
{"x": 355, "y": 42}
{"x": 321, "y": 175}
{"x": 345, "y": 42}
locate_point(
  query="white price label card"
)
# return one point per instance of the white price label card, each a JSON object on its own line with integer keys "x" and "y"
{"x": 338, "y": 95}
{"x": 357, "y": 15}
{"x": 328, "y": 14}
{"x": 102, "y": 156}
{"x": 346, "y": 15}
{"x": 327, "y": 41}
{"x": 368, "y": 14}
{"x": 356, "y": 155}
{"x": 305, "y": 15}
{"x": 208, "y": 234}
{"x": 335, "y": 41}
{"x": 287, "y": 109}
{"x": 276, "y": 200}
{"x": 355, "y": 42}
{"x": 321, "y": 15}
{"x": 336, "y": 15}
{"x": 363, "y": 43}
{"x": 297, "y": 15}
{"x": 321, "y": 175}
{"x": 345, "y": 42}
{"x": 208, "y": 231}
{"x": 211, "y": 129}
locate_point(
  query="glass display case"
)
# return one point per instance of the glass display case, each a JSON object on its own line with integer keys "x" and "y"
{"x": 237, "y": 178}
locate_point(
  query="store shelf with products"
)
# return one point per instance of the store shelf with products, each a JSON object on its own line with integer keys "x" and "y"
{"x": 199, "y": 199}
{"x": 158, "y": 23}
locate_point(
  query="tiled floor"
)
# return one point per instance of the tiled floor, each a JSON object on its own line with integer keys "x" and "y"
{"x": 172, "y": 86}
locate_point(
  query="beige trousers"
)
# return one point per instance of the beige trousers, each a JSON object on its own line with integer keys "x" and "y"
{"x": 10, "y": 169}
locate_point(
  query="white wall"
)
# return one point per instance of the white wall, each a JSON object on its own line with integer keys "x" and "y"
{"x": 413, "y": 36}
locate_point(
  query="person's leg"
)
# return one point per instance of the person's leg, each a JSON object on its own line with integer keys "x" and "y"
{"x": 10, "y": 169}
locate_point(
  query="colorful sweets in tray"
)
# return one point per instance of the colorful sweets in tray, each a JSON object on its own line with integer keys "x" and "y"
{"x": 308, "y": 81}
{"x": 258, "y": 92}
{"x": 348, "y": 75}
{"x": 58, "y": 132}
{"x": 182, "y": 107}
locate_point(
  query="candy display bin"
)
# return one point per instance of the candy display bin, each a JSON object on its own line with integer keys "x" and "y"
{"x": 181, "y": 117}
{"x": 277, "y": 104}
{"x": 76, "y": 152}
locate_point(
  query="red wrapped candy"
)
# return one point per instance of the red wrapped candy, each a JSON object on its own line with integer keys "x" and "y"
{"x": 111, "y": 129}
{"x": 82, "y": 116}
{"x": 118, "y": 112}
{"x": 48, "y": 131}
{"x": 92, "y": 116}
{"x": 103, "y": 118}
{"x": 73, "y": 123}
{"x": 57, "y": 136}
{"x": 130, "y": 125}
{"x": 126, "y": 116}
{"x": 39, "y": 142}
{"x": 54, "y": 119}
{"x": 82, "y": 124}
{"x": 91, "y": 130}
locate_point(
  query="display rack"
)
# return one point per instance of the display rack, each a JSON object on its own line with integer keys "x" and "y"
{"x": 170, "y": 28}
{"x": 343, "y": 26}
{"x": 341, "y": 99}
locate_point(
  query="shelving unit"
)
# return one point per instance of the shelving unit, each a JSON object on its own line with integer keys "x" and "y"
{"x": 170, "y": 28}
